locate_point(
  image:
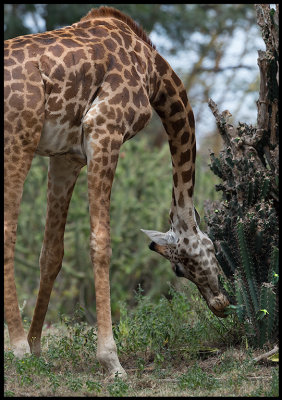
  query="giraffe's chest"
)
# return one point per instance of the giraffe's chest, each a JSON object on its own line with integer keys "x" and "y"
{"x": 57, "y": 139}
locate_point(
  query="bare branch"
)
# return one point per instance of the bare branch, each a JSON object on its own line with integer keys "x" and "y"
{"x": 266, "y": 355}
{"x": 221, "y": 69}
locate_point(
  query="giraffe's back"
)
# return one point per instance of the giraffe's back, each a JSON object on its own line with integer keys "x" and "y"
{"x": 93, "y": 60}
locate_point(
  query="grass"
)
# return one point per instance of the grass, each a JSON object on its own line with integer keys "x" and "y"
{"x": 173, "y": 348}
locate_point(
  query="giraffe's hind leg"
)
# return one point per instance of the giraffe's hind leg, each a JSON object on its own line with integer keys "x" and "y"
{"x": 13, "y": 188}
{"x": 62, "y": 175}
{"x": 20, "y": 143}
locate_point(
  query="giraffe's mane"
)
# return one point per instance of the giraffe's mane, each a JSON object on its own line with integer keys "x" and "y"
{"x": 113, "y": 12}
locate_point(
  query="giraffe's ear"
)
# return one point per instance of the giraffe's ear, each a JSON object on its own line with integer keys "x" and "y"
{"x": 161, "y": 238}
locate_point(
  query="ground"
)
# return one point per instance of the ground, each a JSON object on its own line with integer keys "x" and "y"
{"x": 66, "y": 369}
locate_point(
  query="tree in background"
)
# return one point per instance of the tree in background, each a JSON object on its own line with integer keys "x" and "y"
{"x": 244, "y": 225}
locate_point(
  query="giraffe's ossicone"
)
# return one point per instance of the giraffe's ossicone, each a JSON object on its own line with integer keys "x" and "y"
{"x": 76, "y": 94}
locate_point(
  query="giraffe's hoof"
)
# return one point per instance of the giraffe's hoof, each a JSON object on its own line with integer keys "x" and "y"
{"x": 21, "y": 348}
{"x": 109, "y": 360}
{"x": 35, "y": 346}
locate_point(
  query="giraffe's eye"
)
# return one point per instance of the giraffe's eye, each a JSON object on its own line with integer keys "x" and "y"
{"x": 178, "y": 270}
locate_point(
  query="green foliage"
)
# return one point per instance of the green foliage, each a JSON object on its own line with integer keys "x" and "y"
{"x": 153, "y": 328}
{"x": 68, "y": 366}
{"x": 118, "y": 388}
{"x": 78, "y": 346}
{"x": 244, "y": 228}
{"x": 141, "y": 198}
{"x": 273, "y": 390}
{"x": 28, "y": 367}
{"x": 54, "y": 381}
{"x": 74, "y": 384}
{"x": 196, "y": 378}
{"x": 176, "y": 326}
{"x": 93, "y": 386}
{"x": 9, "y": 393}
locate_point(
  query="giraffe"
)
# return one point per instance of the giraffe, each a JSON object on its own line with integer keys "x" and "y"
{"x": 75, "y": 95}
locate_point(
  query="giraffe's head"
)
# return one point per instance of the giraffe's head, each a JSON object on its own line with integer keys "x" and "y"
{"x": 192, "y": 256}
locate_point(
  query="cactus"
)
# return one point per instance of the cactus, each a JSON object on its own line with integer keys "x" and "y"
{"x": 245, "y": 233}
{"x": 244, "y": 226}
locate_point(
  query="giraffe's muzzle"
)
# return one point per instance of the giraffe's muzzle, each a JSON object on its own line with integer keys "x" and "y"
{"x": 218, "y": 305}
{"x": 217, "y": 302}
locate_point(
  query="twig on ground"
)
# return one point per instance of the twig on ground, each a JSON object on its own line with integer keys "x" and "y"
{"x": 268, "y": 354}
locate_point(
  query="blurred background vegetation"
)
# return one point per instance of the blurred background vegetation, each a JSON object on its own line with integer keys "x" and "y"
{"x": 213, "y": 48}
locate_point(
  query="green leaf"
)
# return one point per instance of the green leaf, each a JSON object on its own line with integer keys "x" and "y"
{"x": 261, "y": 314}
{"x": 274, "y": 357}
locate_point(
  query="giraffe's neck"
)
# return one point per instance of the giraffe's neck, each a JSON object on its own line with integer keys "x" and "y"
{"x": 171, "y": 103}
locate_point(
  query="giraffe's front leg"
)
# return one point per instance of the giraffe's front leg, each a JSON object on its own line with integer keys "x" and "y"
{"x": 102, "y": 155}
{"x": 100, "y": 255}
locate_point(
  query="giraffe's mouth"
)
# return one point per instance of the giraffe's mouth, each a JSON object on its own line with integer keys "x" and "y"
{"x": 217, "y": 303}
